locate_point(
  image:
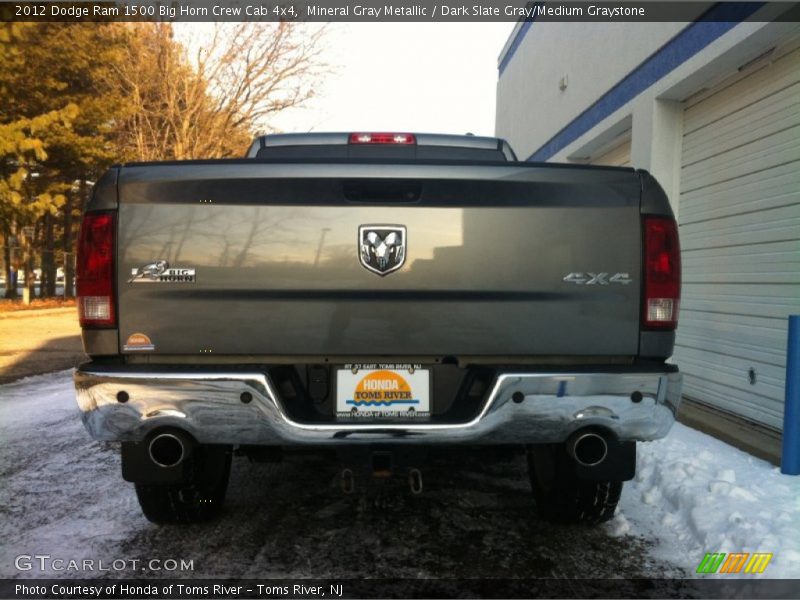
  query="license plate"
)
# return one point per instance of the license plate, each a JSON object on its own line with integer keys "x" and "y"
{"x": 383, "y": 392}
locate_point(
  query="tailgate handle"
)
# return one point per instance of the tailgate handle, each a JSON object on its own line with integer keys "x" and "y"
{"x": 382, "y": 191}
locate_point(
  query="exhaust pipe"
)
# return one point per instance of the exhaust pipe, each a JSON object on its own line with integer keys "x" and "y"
{"x": 587, "y": 448}
{"x": 169, "y": 449}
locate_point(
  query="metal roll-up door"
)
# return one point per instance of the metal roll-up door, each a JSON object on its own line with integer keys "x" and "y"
{"x": 618, "y": 155}
{"x": 739, "y": 216}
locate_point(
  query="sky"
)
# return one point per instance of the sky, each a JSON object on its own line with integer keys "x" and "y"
{"x": 418, "y": 77}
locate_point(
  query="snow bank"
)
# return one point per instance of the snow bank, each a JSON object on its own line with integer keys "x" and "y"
{"x": 695, "y": 494}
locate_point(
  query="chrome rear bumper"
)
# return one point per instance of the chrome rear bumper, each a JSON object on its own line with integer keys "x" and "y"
{"x": 634, "y": 406}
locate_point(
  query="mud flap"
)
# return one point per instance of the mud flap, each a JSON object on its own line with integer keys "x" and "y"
{"x": 619, "y": 465}
{"x": 138, "y": 468}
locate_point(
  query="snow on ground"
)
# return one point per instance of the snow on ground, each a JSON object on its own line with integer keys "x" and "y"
{"x": 696, "y": 494}
{"x": 62, "y": 494}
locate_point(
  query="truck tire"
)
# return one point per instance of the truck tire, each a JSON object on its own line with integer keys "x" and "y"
{"x": 563, "y": 497}
{"x": 199, "y": 498}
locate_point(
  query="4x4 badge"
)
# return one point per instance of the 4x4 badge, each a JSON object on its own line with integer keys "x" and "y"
{"x": 598, "y": 278}
{"x": 382, "y": 248}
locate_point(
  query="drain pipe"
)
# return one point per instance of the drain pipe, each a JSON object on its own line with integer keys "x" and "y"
{"x": 790, "y": 455}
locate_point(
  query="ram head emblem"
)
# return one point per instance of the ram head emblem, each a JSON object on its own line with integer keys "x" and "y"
{"x": 382, "y": 248}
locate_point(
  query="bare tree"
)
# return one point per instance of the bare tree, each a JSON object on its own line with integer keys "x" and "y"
{"x": 205, "y": 98}
{"x": 255, "y": 70}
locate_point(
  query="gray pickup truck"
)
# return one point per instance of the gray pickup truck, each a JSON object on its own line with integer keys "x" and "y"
{"x": 378, "y": 295}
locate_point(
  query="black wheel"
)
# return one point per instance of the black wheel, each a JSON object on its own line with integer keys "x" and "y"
{"x": 563, "y": 497}
{"x": 199, "y": 499}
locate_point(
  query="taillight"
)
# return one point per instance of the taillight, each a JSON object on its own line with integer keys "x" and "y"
{"x": 662, "y": 273}
{"x": 382, "y": 138}
{"x": 95, "y": 271}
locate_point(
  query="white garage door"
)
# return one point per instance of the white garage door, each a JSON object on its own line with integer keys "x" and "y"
{"x": 618, "y": 155}
{"x": 739, "y": 219}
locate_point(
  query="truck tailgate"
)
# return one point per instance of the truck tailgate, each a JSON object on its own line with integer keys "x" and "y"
{"x": 500, "y": 260}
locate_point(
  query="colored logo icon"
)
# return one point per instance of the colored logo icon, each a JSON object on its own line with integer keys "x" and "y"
{"x": 382, "y": 388}
{"x": 735, "y": 562}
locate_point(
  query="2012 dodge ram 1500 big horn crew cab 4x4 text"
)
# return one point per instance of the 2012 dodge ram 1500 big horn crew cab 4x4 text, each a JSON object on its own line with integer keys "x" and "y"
{"x": 378, "y": 295}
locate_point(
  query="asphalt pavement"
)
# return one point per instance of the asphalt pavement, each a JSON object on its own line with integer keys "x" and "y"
{"x": 39, "y": 341}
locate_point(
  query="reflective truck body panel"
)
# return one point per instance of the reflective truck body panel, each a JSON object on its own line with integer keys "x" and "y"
{"x": 275, "y": 251}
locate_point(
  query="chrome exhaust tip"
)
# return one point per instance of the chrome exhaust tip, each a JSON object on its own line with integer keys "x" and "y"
{"x": 168, "y": 449}
{"x": 587, "y": 448}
